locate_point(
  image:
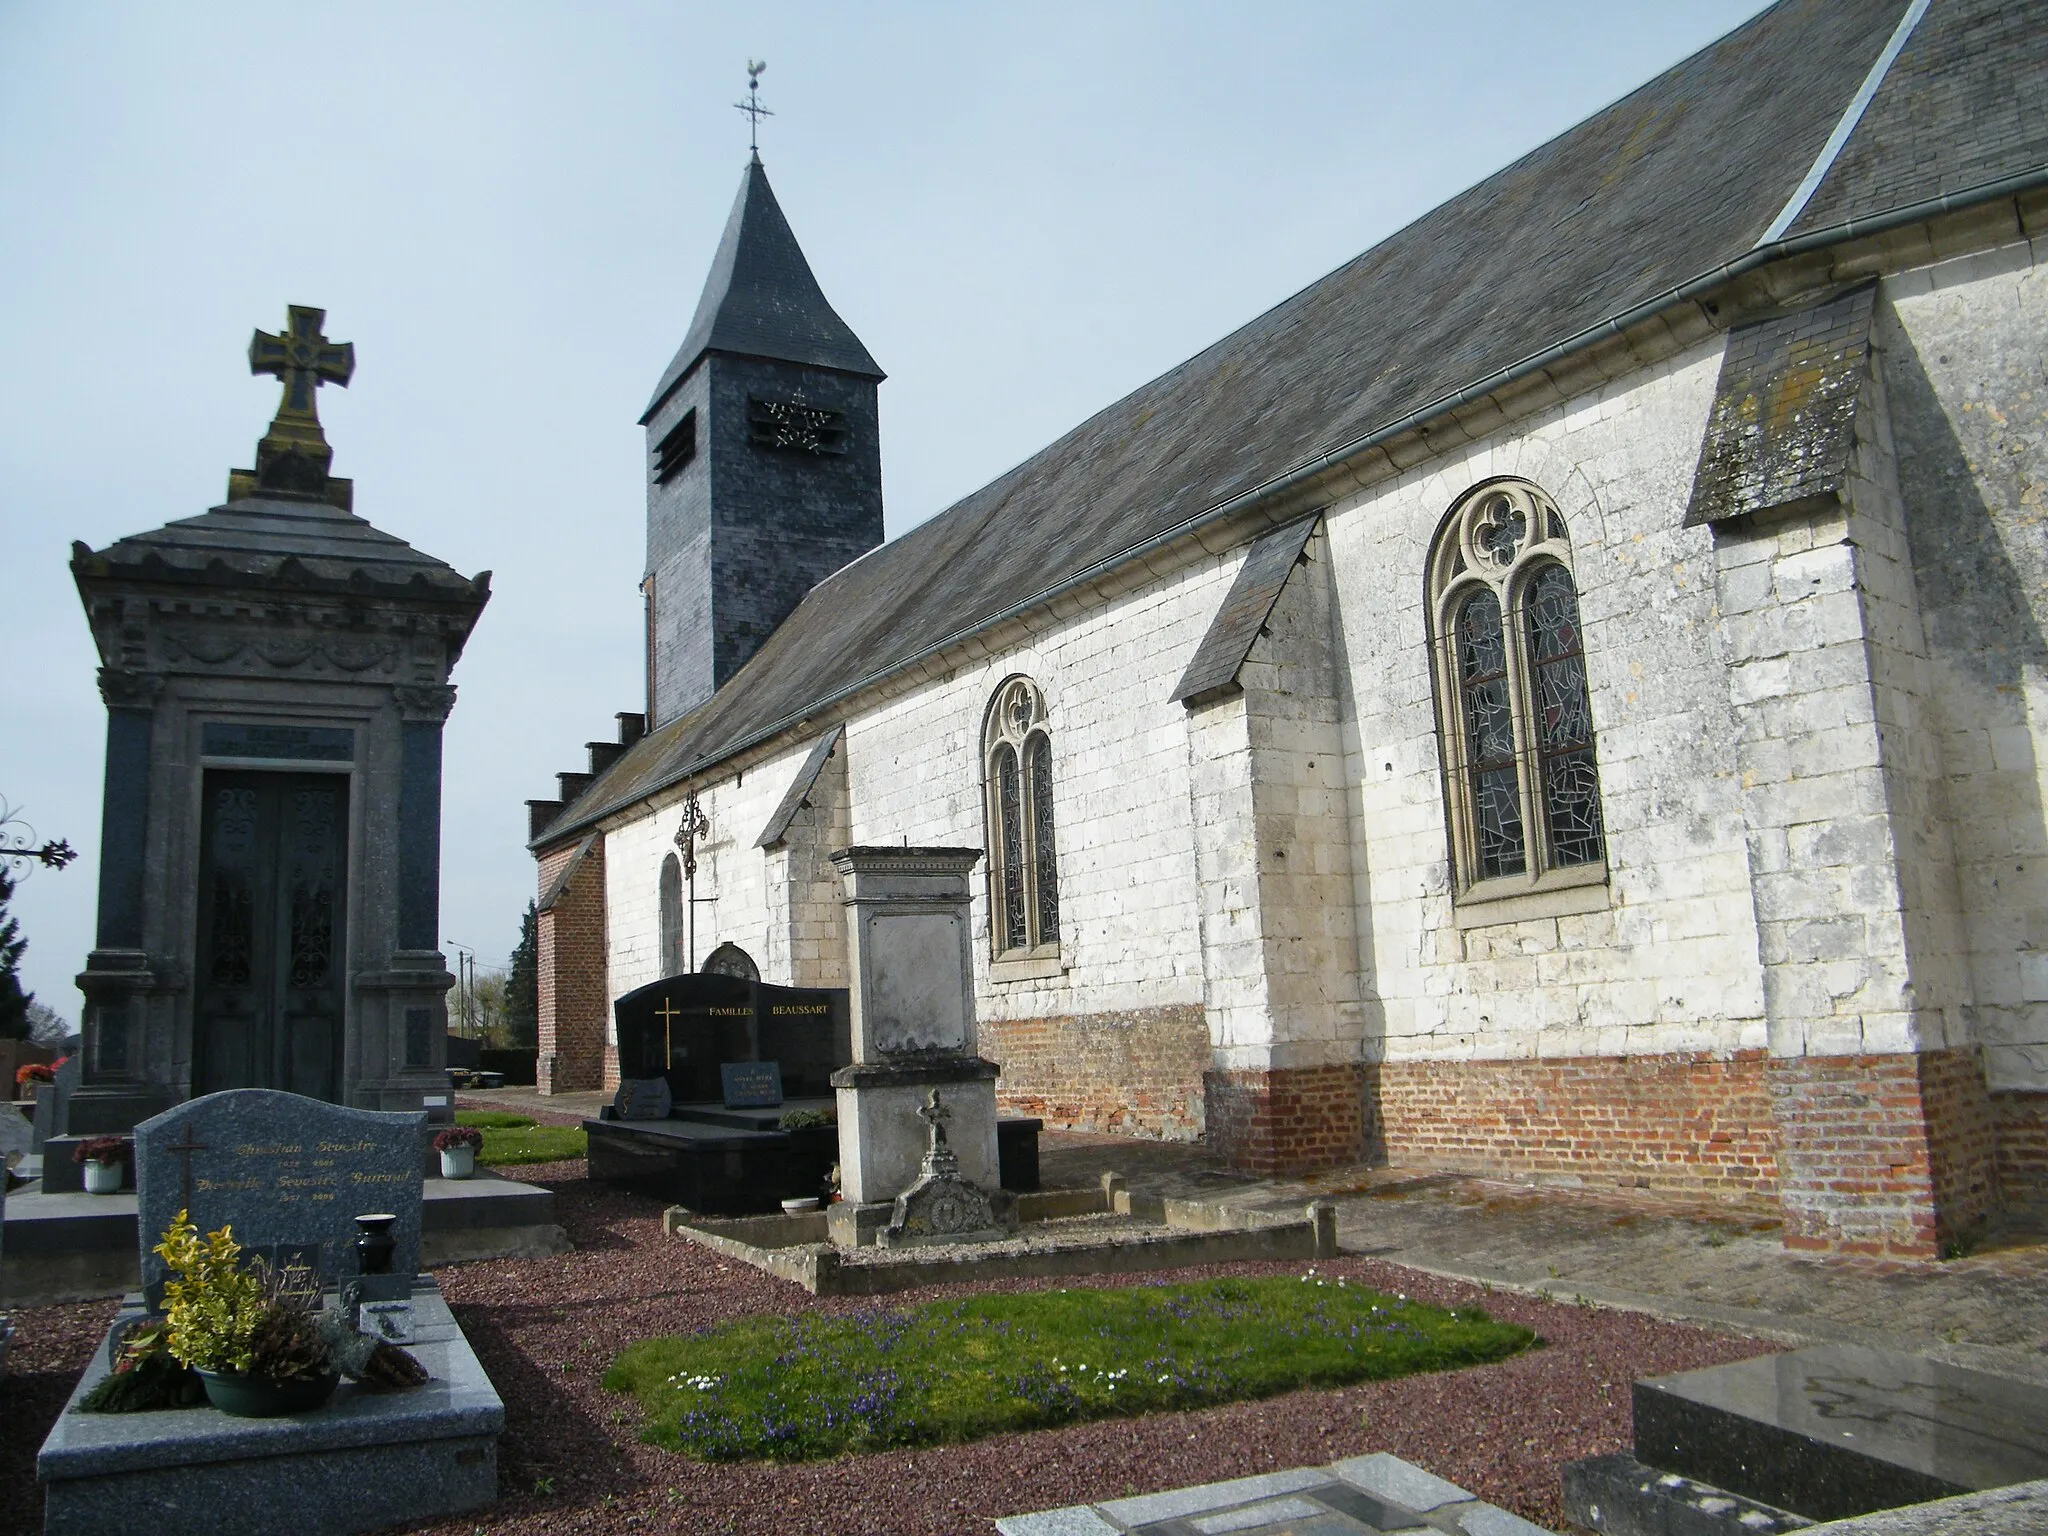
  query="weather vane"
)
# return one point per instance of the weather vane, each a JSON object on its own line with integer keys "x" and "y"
{"x": 752, "y": 106}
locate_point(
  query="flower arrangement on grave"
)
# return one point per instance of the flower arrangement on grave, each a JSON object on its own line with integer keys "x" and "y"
{"x": 29, "y": 1073}
{"x": 459, "y": 1136}
{"x": 214, "y": 1306}
{"x": 257, "y": 1336}
{"x": 807, "y": 1119}
{"x": 108, "y": 1151}
{"x": 146, "y": 1375}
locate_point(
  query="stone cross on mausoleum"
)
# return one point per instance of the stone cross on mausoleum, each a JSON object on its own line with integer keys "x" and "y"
{"x": 294, "y": 454}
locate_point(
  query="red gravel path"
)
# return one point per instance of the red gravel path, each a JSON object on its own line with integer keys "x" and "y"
{"x": 570, "y": 1460}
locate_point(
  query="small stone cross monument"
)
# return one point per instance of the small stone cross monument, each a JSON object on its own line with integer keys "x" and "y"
{"x": 942, "y": 1207}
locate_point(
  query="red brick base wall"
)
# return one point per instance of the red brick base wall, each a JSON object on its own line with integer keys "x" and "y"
{"x": 1138, "y": 1072}
{"x": 1693, "y": 1125}
{"x": 1288, "y": 1120}
{"x": 2022, "y": 1121}
{"x": 1887, "y": 1154}
{"x": 575, "y": 1002}
{"x": 1962, "y": 1138}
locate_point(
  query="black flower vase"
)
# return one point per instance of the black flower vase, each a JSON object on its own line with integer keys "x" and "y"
{"x": 374, "y": 1245}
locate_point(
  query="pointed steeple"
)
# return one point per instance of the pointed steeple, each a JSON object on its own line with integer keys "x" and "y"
{"x": 761, "y": 299}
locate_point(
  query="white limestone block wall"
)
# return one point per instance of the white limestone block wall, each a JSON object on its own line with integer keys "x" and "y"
{"x": 1670, "y": 963}
{"x": 1967, "y": 396}
{"x": 1125, "y": 838}
{"x": 732, "y": 888}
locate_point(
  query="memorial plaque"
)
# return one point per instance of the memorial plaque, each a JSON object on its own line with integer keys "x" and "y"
{"x": 751, "y": 1084}
{"x": 685, "y": 1028}
{"x": 288, "y": 1174}
{"x": 643, "y": 1098}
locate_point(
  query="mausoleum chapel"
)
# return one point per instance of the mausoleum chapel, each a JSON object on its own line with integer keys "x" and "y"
{"x": 1561, "y": 696}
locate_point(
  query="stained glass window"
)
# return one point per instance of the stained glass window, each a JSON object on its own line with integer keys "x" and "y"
{"x": 1010, "y": 809}
{"x": 1490, "y": 736}
{"x": 1564, "y": 719}
{"x": 1516, "y": 710}
{"x": 1023, "y": 861}
{"x": 1038, "y": 759}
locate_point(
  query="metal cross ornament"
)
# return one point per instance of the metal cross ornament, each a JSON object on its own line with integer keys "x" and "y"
{"x": 695, "y": 826}
{"x": 752, "y": 106}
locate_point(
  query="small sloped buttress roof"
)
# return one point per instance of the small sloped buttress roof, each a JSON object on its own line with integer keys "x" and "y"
{"x": 761, "y": 299}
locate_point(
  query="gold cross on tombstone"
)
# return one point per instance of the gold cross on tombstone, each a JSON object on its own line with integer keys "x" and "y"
{"x": 668, "y": 1013}
{"x": 294, "y": 456}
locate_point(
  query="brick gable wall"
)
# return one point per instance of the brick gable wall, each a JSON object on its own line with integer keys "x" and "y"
{"x": 575, "y": 1006}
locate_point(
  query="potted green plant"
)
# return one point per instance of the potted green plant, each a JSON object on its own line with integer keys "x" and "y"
{"x": 104, "y": 1159}
{"x": 458, "y": 1146}
{"x": 253, "y": 1335}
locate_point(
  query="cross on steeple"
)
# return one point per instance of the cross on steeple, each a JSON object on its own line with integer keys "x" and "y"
{"x": 293, "y": 456}
{"x": 752, "y": 106}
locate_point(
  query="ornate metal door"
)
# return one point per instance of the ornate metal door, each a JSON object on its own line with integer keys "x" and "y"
{"x": 273, "y": 889}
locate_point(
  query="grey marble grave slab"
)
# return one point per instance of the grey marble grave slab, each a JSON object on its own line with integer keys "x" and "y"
{"x": 1834, "y": 1431}
{"x": 364, "y": 1461}
{"x": 1360, "y": 1497}
{"x": 279, "y": 1169}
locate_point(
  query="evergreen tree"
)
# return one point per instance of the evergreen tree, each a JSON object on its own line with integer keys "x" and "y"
{"x": 13, "y": 1001}
{"x": 522, "y": 983}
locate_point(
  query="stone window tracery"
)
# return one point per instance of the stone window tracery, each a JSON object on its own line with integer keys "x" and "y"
{"x": 1023, "y": 865}
{"x": 1521, "y": 778}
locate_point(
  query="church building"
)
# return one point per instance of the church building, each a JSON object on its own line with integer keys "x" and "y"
{"x": 1563, "y": 696}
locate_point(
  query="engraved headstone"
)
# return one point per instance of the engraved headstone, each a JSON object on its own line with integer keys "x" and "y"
{"x": 686, "y": 1028}
{"x": 643, "y": 1098}
{"x": 17, "y": 1136}
{"x": 288, "y": 1174}
{"x": 53, "y": 1102}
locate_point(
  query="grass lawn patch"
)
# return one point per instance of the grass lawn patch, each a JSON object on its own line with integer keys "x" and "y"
{"x": 492, "y": 1119}
{"x": 530, "y": 1143}
{"x": 949, "y": 1371}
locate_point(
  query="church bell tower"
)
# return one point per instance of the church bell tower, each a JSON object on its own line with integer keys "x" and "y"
{"x": 764, "y": 469}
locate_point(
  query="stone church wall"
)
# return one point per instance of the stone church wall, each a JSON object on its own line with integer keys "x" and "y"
{"x": 1666, "y": 965}
{"x": 1968, "y": 401}
{"x": 1127, "y": 988}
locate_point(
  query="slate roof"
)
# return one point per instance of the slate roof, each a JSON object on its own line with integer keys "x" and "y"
{"x": 1667, "y": 186}
{"x": 264, "y": 540}
{"x": 761, "y": 299}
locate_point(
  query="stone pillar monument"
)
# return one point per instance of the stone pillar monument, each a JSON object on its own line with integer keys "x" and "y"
{"x": 276, "y": 678}
{"x": 913, "y": 1032}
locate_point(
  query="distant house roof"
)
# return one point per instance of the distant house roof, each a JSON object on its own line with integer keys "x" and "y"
{"x": 761, "y": 299}
{"x": 1668, "y": 186}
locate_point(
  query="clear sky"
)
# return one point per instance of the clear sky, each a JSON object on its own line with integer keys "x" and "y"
{"x": 1025, "y": 211}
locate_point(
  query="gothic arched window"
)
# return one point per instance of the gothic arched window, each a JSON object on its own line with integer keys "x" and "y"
{"x": 1520, "y": 776}
{"x": 671, "y": 916}
{"x": 1023, "y": 869}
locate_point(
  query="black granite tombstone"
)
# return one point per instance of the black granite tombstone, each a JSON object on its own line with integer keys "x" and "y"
{"x": 685, "y": 1028}
{"x": 1822, "y": 1433}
